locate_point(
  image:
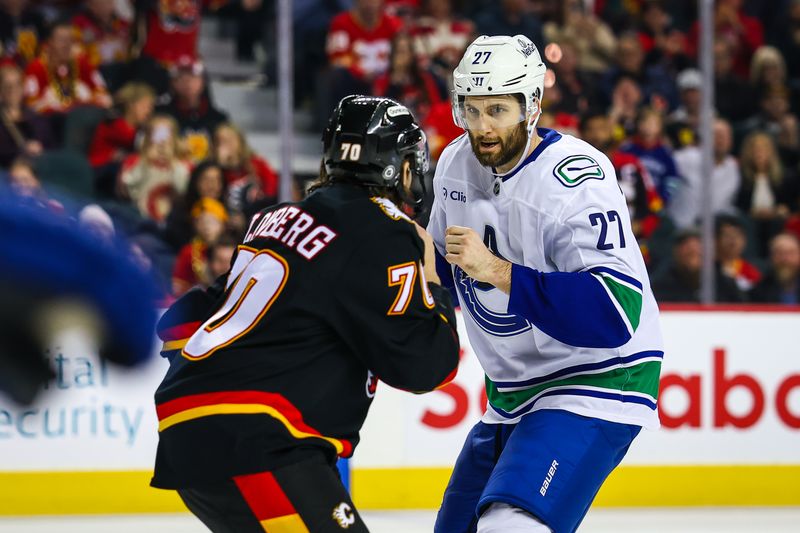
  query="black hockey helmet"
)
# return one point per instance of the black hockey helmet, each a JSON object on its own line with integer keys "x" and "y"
{"x": 368, "y": 138}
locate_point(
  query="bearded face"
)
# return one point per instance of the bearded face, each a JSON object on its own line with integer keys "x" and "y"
{"x": 497, "y": 128}
{"x": 500, "y": 147}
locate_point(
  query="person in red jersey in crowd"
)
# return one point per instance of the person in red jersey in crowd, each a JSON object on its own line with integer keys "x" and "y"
{"x": 58, "y": 80}
{"x": 359, "y": 40}
{"x": 744, "y": 34}
{"x": 731, "y": 242}
{"x": 103, "y": 33}
{"x": 644, "y": 203}
{"x": 440, "y": 37}
{"x": 358, "y": 47}
{"x": 167, "y": 30}
{"x": 191, "y": 265}
{"x": 115, "y": 138}
{"x": 406, "y": 81}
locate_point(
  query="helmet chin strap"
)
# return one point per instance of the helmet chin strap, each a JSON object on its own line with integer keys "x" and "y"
{"x": 532, "y": 121}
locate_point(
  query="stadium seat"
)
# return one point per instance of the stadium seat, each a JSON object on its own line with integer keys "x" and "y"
{"x": 79, "y": 126}
{"x": 65, "y": 172}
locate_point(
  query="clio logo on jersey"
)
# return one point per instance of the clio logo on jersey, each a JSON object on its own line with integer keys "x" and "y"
{"x": 458, "y": 196}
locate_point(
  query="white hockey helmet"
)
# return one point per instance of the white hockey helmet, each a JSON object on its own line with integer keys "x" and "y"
{"x": 499, "y": 65}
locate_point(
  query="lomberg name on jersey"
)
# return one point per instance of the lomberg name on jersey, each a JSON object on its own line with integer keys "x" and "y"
{"x": 303, "y": 234}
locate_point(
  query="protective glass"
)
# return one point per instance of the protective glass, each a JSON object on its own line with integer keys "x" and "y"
{"x": 482, "y": 113}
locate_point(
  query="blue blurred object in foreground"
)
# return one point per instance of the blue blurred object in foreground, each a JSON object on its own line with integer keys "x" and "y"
{"x": 46, "y": 259}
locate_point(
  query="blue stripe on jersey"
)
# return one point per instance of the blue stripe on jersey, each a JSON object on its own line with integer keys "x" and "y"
{"x": 617, "y": 396}
{"x": 571, "y": 307}
{"x": 548, "y": 137}
{"x": 578, "y": 369}
{"x": 445, "y": 272}
{"x": 619, "y": 275}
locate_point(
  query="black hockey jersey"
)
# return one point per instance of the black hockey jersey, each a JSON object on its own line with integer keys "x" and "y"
{"x": 282, "y": 356}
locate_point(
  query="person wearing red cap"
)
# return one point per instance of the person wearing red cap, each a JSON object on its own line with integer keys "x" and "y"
{"x": 191, "y": 106}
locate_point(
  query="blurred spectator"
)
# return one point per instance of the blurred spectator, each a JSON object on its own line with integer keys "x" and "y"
{"x": 744, "y": 34}
{"x": 407, "y": 81}
{"x": 575, "y": 88}
{"x": 640, "y": 192}
{"x": 687, "y": 207}
{"x": 681, "y": 282}
{"x": 786, "y": 37}
{"x": 768, "y": 70}
{"x": 191, "y": 106}
{"x": 191, "y": 265}
{"x": 731, "y": 242}
{"x": 648, "y": 145}
{"x": 57, "y": 80}
{"x": 21, "y": 30}
{"x": 441, "y": 37}
{"x": 782, "y": 282}
{"x": 168, "y": 31}
{"x": 104, "y": 34}
{"x": 22, "y": 132}
{"x": 626, "y": 99}
{"x": 358, "y": 46}
{"x": 251, "y": 182}
{"x": 250, "y": 17}
{"x": 657, "y": 87}
{"x": 311, "y": 20}
{"x": 768, "y": 189}
{"x": 662, "y": 42}
{"x": 115, "y": 138}
{"x": 220, "y": 254}
{"x": 26, "y": 185}
{"x": 735, "y": 99}
{"x": 776, "y": 120}
{"x": 684, "y": 122}
{"x": 206, "y": 181}
{"x": 94, "y": 220}
{"x": 510, "y": 17}
{"x": 156, "y": 175}
{"x": 592, "y": 40}
{"x": 440, "y": 129}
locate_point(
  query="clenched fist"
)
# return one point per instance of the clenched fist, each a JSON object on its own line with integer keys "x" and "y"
{"x": 466, "y": 250}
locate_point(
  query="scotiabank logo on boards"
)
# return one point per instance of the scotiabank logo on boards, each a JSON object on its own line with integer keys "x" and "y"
{"x": 723, "y": 383}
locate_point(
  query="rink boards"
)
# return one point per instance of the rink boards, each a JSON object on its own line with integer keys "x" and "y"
{"x": 730, "y": 410}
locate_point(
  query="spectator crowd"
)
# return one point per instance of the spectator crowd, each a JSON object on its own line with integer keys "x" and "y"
{"x": 119, "y": 85}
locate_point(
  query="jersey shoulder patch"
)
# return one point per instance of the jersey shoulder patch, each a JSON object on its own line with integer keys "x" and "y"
{"x": 389, "y": 208}
{"x": 576, "y": 169}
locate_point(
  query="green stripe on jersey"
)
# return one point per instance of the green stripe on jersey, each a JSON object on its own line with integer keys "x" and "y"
{"x": 629, "y": 299}
{"x": 641, "y": 378}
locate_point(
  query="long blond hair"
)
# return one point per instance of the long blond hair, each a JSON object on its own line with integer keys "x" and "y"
{"x": 761, "y": 58}
{"x": 747, "y": 158}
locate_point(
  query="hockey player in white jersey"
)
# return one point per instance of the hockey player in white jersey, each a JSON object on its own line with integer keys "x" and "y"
{"x": 536, "y": 235}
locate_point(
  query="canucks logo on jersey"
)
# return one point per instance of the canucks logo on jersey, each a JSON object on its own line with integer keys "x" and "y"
{"x": 492, "y": 322}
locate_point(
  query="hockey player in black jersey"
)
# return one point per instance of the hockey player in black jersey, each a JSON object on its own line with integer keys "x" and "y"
{"x": 274, "y": 367}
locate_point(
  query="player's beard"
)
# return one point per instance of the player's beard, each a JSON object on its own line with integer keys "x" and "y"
{"x": 511, "y": 146}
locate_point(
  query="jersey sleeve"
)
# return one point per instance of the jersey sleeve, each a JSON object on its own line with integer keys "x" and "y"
{"x": 399, "y": 325}
{"x": 187, "y": 314}
{"x": 437, "y": 224}
{"x": 593, "y": 299}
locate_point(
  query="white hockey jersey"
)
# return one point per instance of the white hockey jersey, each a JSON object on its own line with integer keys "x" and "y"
{"x": 580, "y": 329}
